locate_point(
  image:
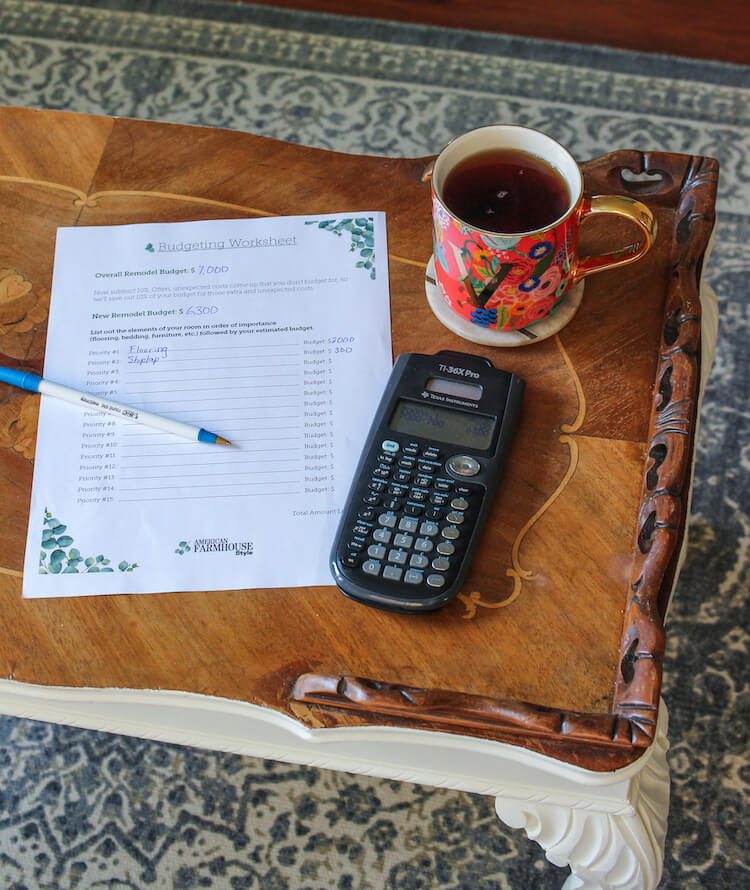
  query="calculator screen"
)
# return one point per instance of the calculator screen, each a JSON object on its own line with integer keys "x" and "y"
{"x": 443, "y": 424}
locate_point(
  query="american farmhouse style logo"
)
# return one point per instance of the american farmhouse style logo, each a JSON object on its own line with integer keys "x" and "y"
{"x": 215, "y": 545}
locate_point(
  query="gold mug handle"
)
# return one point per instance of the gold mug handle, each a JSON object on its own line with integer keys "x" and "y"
{"x": 621, "y": 206}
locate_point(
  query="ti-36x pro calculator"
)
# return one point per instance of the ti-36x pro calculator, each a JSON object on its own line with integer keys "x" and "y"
{"x": 425, "y": 481}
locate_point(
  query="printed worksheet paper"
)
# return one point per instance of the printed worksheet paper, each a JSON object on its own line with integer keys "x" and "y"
{"x": 274, "y": 333}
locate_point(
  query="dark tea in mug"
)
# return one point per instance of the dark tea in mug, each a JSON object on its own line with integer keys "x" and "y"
{"x": 506, "y": 191}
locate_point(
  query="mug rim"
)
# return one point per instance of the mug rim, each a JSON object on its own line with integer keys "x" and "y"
{"x": 574, "y": 200}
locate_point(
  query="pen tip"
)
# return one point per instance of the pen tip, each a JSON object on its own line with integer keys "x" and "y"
{"x": 220, "y": 440}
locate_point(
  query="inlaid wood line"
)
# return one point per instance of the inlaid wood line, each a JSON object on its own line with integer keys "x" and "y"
{"x": 80, "y": 197}
{"x": 578, "y": 422}
{"x": 14, "y": 573}
{"x": 83, "y": 200}
{"x": 474, "y": 599}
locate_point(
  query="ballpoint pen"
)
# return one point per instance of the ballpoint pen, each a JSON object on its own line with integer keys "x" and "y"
{"x": 33, "y": 383}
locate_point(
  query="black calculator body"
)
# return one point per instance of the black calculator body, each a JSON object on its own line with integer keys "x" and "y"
{"x": 425, "y": 481}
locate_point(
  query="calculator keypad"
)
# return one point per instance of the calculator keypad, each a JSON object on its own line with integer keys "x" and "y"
{"x": 413, "y": 520}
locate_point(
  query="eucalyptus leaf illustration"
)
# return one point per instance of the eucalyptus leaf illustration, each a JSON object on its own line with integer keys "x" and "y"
{"x": 55, "y": 559}
{"x": 361, "y": 232}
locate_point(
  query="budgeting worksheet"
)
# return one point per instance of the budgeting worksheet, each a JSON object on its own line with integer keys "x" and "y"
{"x": 273, "y": 333}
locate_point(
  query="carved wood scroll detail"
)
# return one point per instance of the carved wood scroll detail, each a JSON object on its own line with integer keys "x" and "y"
{"x": 666, "y": 478}
{"x": 603, "y": 741}
{"x": 595, "y": 741}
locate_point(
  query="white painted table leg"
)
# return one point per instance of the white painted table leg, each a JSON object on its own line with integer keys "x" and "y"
{"x": 605, "y": 851}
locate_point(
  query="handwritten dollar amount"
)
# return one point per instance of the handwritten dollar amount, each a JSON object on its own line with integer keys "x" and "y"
{"x": 209, "y": 270}
{"x": 201, "y": 310}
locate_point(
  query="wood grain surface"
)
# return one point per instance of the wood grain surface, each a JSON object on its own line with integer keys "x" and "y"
{"x": 561, "y": 610}
{"x": 678, "y": 27}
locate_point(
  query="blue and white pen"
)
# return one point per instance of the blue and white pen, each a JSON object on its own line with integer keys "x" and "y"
{"x": 32, "y": 383}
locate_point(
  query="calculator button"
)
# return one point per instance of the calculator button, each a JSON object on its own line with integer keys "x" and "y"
{"x": 386, "y": 459}
{"x": 412, "y": 449}
{"x": 408, "y": 525}
{"x": 387, "y": 519}
{"x": 455, "y": 517}
{"x": 433, "y": 513}
{"x": 418, "y": 494}
{"x": 373, "y": 498}
{"x": 392, "y": 573}
{"x": 445, "y": 548}
{"x": 451, "y": 532}
{"x": 425, "y": 466}
{"x": 428, "y": 528}
{"x": 413, "y": 577}
{"x": 402, "y": 476}
{"x": 397, "y": 556}
{"x": 439, "y": 500}
{"x": 376, "y": 551}
{"x": 403, "y": 541}
{"x": 357, "y": 541}
{"x": 398, "y": 490}
{"x": 435, "y": 580}
{"x": 441, "y": 564}
{"x": 389, "y": 446}
{"x": 377, "y": 486}
{"x": 432, "y": 453}
{"x": 413, "y": 509}
{"x": 442, "y": 485}
{"x": 382, "y": 472}
{"x": 423, "y": 545}
{"x": 362, "y": 528}
{"x": 424, "y": 481}
{"x": 355, "y": 546}
{"x": 419, "y": 561}
{"x": 407, "y": 463}
{"x": 391, "y": 503}
{"x": 463, "y": 465}
{"x": 464, "y": 491}
{"x": 368, "y": 514}
{"x": 459, "y": 503}
{"x": 371, "y": 567}
{"x": 350, "y": 559}
{"x": 382, "y": 536}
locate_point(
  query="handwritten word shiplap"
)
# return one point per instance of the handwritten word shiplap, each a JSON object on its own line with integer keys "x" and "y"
{"x": 283, "y": 347}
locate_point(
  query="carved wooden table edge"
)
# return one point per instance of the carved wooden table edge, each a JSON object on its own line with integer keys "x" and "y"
{"x": 602, "y": 741}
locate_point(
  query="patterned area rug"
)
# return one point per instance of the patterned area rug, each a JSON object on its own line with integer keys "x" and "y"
{"x": 86, "y": 810}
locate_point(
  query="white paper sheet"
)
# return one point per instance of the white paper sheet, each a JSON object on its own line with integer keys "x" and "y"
{"x": 274, "y": 333}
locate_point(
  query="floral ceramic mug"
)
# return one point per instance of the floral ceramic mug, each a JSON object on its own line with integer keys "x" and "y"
{"x": 510, "y": 280}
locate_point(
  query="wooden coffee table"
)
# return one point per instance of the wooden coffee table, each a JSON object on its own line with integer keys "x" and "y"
{"x": 540, "y": 683}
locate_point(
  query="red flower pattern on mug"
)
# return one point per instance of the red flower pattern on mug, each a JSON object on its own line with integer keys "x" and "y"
{"x": 510, "y": 288}
{"x": 537, "y": 311}
{"x": 549, "y": 281}
{"x": 467, "y": 261}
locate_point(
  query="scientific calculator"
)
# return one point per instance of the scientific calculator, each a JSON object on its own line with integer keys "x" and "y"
{"x": 425, "y": 481}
